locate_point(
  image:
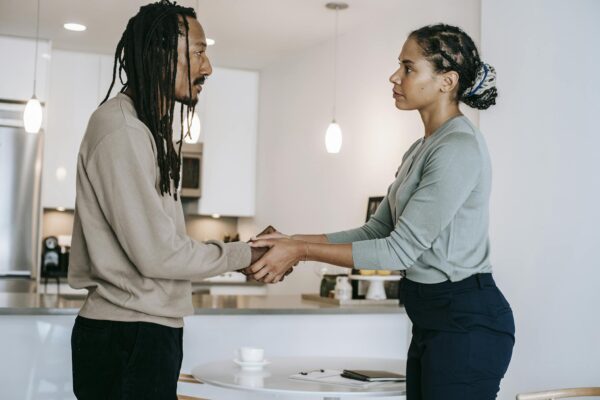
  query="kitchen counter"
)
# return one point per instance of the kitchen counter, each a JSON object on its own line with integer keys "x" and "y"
{"x": 47, "y": 304}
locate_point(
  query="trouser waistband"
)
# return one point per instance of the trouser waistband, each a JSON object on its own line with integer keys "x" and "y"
{"x": 474, "y": 281}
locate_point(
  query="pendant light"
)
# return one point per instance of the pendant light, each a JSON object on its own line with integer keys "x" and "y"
{"x": 194, "y": 128}
{"x": 32, "y": 117}
{"x": 333, "y": 136}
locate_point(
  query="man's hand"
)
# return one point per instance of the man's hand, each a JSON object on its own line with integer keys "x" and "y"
{"x": 258, "y": 252}
{"x": 269, "y": 229}
{"x": 279, "y": 260}
{"x": 269, "y": 233}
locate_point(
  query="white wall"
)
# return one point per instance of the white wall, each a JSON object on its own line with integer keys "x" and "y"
{"x": 544, "y": 140}
{"x": 301, "y": 188}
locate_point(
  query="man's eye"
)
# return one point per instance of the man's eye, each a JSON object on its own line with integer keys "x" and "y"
{"x": 408, "y": 69}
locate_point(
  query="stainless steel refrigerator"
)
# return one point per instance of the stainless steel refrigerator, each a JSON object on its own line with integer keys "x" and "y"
{"x": 20, "y": 192}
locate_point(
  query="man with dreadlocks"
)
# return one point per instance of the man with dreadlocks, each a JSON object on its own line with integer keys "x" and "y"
{"x": 130, "y": 249}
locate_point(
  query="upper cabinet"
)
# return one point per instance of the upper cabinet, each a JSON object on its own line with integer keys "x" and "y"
{"x": 16, "y": 68}
{"x": 16, "y": 72}
{"x": 77, "y": 85}
{"x": 227, "y": 109}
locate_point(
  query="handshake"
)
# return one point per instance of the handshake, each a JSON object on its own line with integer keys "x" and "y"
{"x": 274, "y": 256}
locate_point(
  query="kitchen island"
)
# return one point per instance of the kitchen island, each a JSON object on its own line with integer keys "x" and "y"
{"x": 35, "y": 331}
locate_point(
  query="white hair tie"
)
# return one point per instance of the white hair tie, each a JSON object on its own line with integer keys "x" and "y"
{"x": 486, "y": 78}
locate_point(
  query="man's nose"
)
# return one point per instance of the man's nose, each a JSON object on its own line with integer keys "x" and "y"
{"x": 206, "y": 67}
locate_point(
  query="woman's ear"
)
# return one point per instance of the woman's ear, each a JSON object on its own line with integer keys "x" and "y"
{"x": 449, "y": 81}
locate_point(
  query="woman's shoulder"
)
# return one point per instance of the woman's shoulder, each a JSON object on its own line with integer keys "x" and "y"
{"x": 459, "y": 132}
{"x": 456, "y": 144}
{"x": 462, "y": 124}
{"x": 411, "y": 148}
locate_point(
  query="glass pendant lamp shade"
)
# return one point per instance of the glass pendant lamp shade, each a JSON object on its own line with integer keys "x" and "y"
{"x": 195, "y": 129}
{"x": 333, "y": 135}
{"x": 333, "y": 138}
{"x": 32, "y": 117}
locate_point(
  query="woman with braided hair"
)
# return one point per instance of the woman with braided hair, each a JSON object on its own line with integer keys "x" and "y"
{"x": 432, "y": 226}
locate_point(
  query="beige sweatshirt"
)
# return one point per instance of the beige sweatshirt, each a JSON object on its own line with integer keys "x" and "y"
{"x": 129, "y": 247}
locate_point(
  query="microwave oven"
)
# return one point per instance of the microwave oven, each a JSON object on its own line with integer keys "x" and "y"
{"x": 191, "y": 170}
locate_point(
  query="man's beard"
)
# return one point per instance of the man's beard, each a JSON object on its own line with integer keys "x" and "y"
{"x": 187, "y": 100}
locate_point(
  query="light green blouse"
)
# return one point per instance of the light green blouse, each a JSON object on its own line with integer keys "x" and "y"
{"x": 434, "y": 220}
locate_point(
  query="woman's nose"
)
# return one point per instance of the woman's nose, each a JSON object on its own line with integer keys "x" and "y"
{"x": 395, "y": 78}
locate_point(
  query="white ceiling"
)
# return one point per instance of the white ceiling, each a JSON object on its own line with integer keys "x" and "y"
{"x": 249, "y": 33}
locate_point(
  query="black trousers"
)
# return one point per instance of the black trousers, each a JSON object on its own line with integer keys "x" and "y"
{"x": 463, "y": 336}
{"x": 115, "y": 360}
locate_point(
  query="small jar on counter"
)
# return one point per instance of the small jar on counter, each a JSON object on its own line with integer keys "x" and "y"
{"x": 343, "y": 289}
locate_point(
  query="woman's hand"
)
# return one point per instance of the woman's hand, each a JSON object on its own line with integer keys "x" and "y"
{"x": 283, "y": 254}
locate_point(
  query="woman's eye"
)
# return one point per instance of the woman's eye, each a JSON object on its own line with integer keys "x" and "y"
{"x": 408, "y": 70}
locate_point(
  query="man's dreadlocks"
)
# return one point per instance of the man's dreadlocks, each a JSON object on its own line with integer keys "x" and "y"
{"x": 147, "y": 52}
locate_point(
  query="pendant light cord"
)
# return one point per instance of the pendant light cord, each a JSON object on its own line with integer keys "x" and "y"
{"x": 335, "y": 63}
{"x": 37, "y": 35}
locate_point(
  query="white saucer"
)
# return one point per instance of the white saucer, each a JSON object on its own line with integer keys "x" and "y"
{"x": 251, "y": 365}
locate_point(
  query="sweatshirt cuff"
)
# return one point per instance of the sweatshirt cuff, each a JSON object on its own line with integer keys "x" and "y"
{"x": 238, "y": 254}
{"x": 364, "y": 255}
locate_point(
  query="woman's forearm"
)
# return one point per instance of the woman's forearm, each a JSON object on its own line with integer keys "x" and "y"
{"x": 318, "y": 248}
{"x": 311, "y": 238}
{"x": 336, "y": 254}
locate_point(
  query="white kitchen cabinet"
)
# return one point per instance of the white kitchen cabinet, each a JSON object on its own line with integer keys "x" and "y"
{"x": 77, "y": 85}
{"x": 229, "y": 111}
{"x": 16, "y": 72}
{"x": 16, "y": 68}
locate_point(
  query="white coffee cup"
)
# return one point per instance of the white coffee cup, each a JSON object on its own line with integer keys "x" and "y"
{"x": 250, "y": 354}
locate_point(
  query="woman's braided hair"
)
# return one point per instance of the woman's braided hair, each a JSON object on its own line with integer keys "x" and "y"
{"x": 449, "y": 48}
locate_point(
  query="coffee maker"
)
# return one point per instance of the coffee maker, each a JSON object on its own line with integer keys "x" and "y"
{"x": 55, "y": 258}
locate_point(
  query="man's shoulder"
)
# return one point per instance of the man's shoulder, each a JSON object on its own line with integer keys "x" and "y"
{"x": 115, "y": 118}
{"x": 117, "y": 113}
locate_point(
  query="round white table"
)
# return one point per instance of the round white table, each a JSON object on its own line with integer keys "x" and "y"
{"x": 274, "y": 378}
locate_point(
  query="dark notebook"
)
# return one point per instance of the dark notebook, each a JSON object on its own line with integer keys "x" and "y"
{"x": 373, "y": 376}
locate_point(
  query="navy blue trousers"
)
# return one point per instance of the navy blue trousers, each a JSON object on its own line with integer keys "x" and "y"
{"x": 463, "y": 336}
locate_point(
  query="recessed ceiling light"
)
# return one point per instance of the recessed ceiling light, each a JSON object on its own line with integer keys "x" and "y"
{"x": 70, "y": 26}
{"x": 210, "y": 41}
